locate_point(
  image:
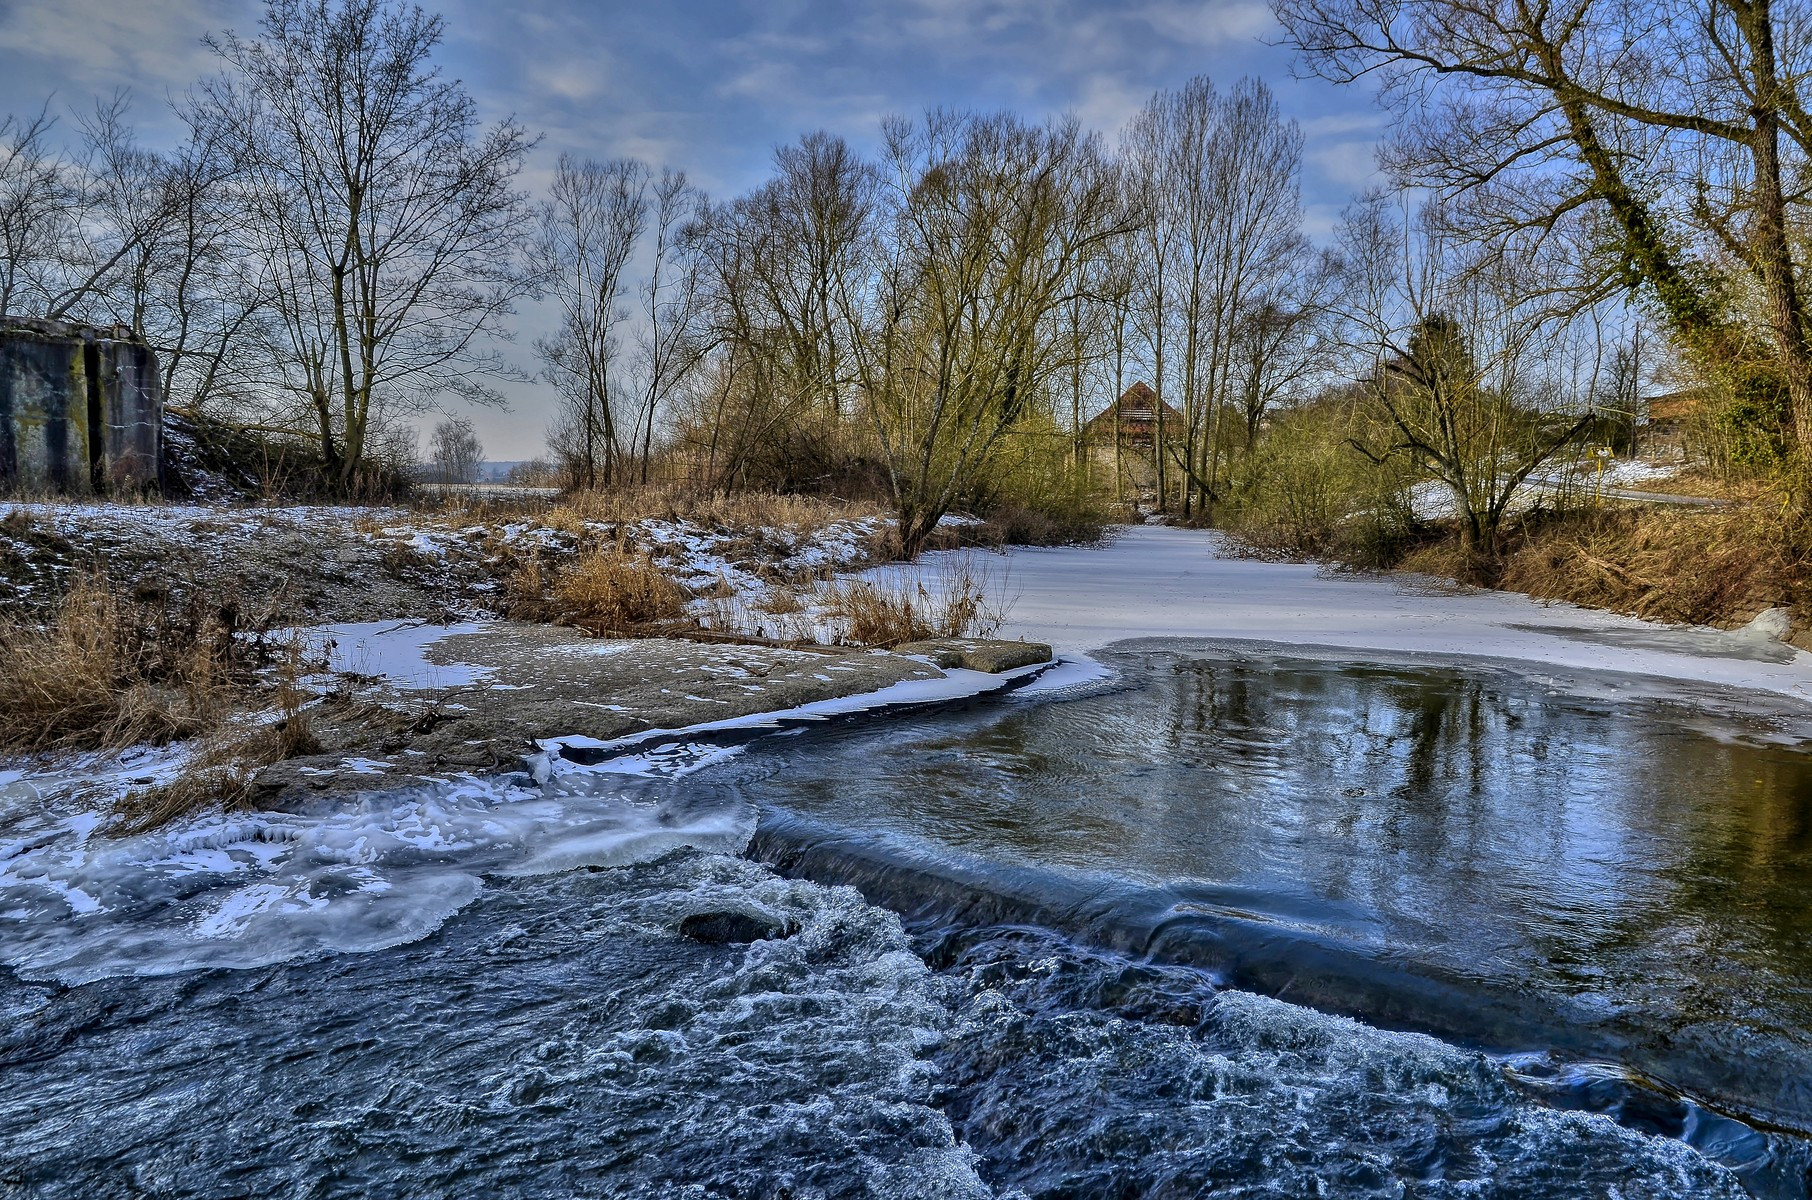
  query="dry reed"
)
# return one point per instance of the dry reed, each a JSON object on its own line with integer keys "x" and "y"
{"x": 615, "y": 592}
{"x": 108, "y": 672}
{"x": 961, "y": 598}
{"x": 222, "y": 772}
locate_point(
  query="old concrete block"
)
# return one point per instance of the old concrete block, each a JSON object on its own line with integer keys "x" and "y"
{"x": 978, "y": 654}
{"x": 81, "y": 408}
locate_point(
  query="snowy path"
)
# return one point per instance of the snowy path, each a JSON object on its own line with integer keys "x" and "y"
{"x": 1160, "y": 582}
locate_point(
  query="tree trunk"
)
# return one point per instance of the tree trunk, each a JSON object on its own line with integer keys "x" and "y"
{"x": 1773, "y": 253}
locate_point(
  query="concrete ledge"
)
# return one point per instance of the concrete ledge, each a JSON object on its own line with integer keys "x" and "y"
{"x": 978, "y": 654}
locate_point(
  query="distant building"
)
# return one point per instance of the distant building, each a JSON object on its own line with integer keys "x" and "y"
{"x": 1122, "y": 438}
{"x": 81, "y": 409}
{"x": 1133, "y": 419}
{"x": 1663, "y": 426}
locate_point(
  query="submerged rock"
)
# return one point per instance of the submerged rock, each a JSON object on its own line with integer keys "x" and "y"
{"x": 734, "y": 928}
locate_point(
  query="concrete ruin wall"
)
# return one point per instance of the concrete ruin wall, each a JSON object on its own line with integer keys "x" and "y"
{"x": 81, "y": 409}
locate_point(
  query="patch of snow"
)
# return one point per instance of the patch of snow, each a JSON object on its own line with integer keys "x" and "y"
{"x": 1071, "y": 673}
{"x": 1634, "y": 473}
{"x": 394, "y": 650}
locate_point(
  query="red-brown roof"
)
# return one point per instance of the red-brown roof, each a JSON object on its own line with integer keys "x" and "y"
{"x": 1136, "y": 407}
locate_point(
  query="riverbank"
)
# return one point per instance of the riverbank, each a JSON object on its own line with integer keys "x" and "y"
{"x": 1129, "y": 896}
{"x": 164, "y": 659}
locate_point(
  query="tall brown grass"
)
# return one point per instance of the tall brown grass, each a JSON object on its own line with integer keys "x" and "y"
{"x": 962, "y": 598}
{"x": 740, "y": 510}
{"x": 109, "y": 671}
{"x": 222, "y": 772}
{"x": 1669, "y": 564}
{"x": 615, "y": 592}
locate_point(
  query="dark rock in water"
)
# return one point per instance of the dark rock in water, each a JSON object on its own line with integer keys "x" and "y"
{"x": 978, "y": 654}
{"x": 733, "y": 928}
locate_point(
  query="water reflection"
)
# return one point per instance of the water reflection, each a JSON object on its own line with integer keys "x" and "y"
{"x": 1608, "y": 877}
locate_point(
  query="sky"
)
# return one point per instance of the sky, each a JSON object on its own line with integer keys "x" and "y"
{"x": 711, "y": 87}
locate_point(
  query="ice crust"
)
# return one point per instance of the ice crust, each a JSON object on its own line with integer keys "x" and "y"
{"x": 1151, "y": 582}
{"x": 245, "y": 890}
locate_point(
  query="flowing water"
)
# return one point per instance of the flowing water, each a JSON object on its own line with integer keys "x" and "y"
{"x": 1235, "y": 922}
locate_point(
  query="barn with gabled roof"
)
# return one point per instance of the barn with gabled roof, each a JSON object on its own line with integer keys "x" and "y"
{"x": 1133, "y": 419}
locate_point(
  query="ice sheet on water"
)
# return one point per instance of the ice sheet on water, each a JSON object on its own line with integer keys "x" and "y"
{"x": 1072, "y": 674}
{"x": 243, "y": 890}
{"x": 673, "y": 753}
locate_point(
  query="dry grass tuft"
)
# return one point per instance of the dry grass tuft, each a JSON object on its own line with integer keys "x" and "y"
{"x": 884, "y": 616}
{"x": 110, "y": 671}
{"x": 742, "y": 510}
{"x": 1669, "y": 564}
{"x": 962, "y": 599}
{"x": 616, "y": 592}
{"x": 224, "y": 769}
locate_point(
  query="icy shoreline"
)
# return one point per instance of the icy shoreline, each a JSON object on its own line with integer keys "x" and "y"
{"x": 239, "y": 888}
{"x": 1164, "y": 582}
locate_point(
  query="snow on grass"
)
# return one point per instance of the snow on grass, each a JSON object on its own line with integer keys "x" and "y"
{"x": 1634, "y": 473}
{"x": 750, "y": 561}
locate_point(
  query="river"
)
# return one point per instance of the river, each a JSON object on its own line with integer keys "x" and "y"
{"x": 1243, "y": 920}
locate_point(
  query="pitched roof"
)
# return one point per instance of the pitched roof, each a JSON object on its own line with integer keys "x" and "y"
{"x": 1136, "y": 406}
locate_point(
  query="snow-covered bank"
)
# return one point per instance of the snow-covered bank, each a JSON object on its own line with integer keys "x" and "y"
{"x": 1162, "y": 582}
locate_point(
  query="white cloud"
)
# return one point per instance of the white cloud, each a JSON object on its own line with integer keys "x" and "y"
{"x": 1349, "y": 164}
{"x": 100, "y": 45}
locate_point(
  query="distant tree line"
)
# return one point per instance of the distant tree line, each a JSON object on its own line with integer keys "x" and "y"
{"x": 339, "y": 243}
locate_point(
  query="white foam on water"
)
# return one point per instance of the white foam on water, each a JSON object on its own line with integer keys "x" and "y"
{"x": 250, "y": 889}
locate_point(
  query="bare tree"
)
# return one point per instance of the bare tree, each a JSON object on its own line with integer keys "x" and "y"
{"x": 1222, "y": 199}
{"x": 670, "y": 342}
{"x": 1465, "y": 380}
{"x": 386, "y": 221}
{"x": 36, "y": 203}
{"x": 779, "y": 261}
{"x": 1280, "y": 343}
{"x": 455, "y": 451}
{"x": 1679, "y": 132}
{"x": 590, "y": 224}
{"x": 989, "y": 227}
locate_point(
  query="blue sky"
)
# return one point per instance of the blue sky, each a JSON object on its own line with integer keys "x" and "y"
{"x": 712, "y": 86}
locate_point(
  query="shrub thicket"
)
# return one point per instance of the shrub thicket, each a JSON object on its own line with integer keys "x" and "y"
{"x": 1305, "y": 491}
